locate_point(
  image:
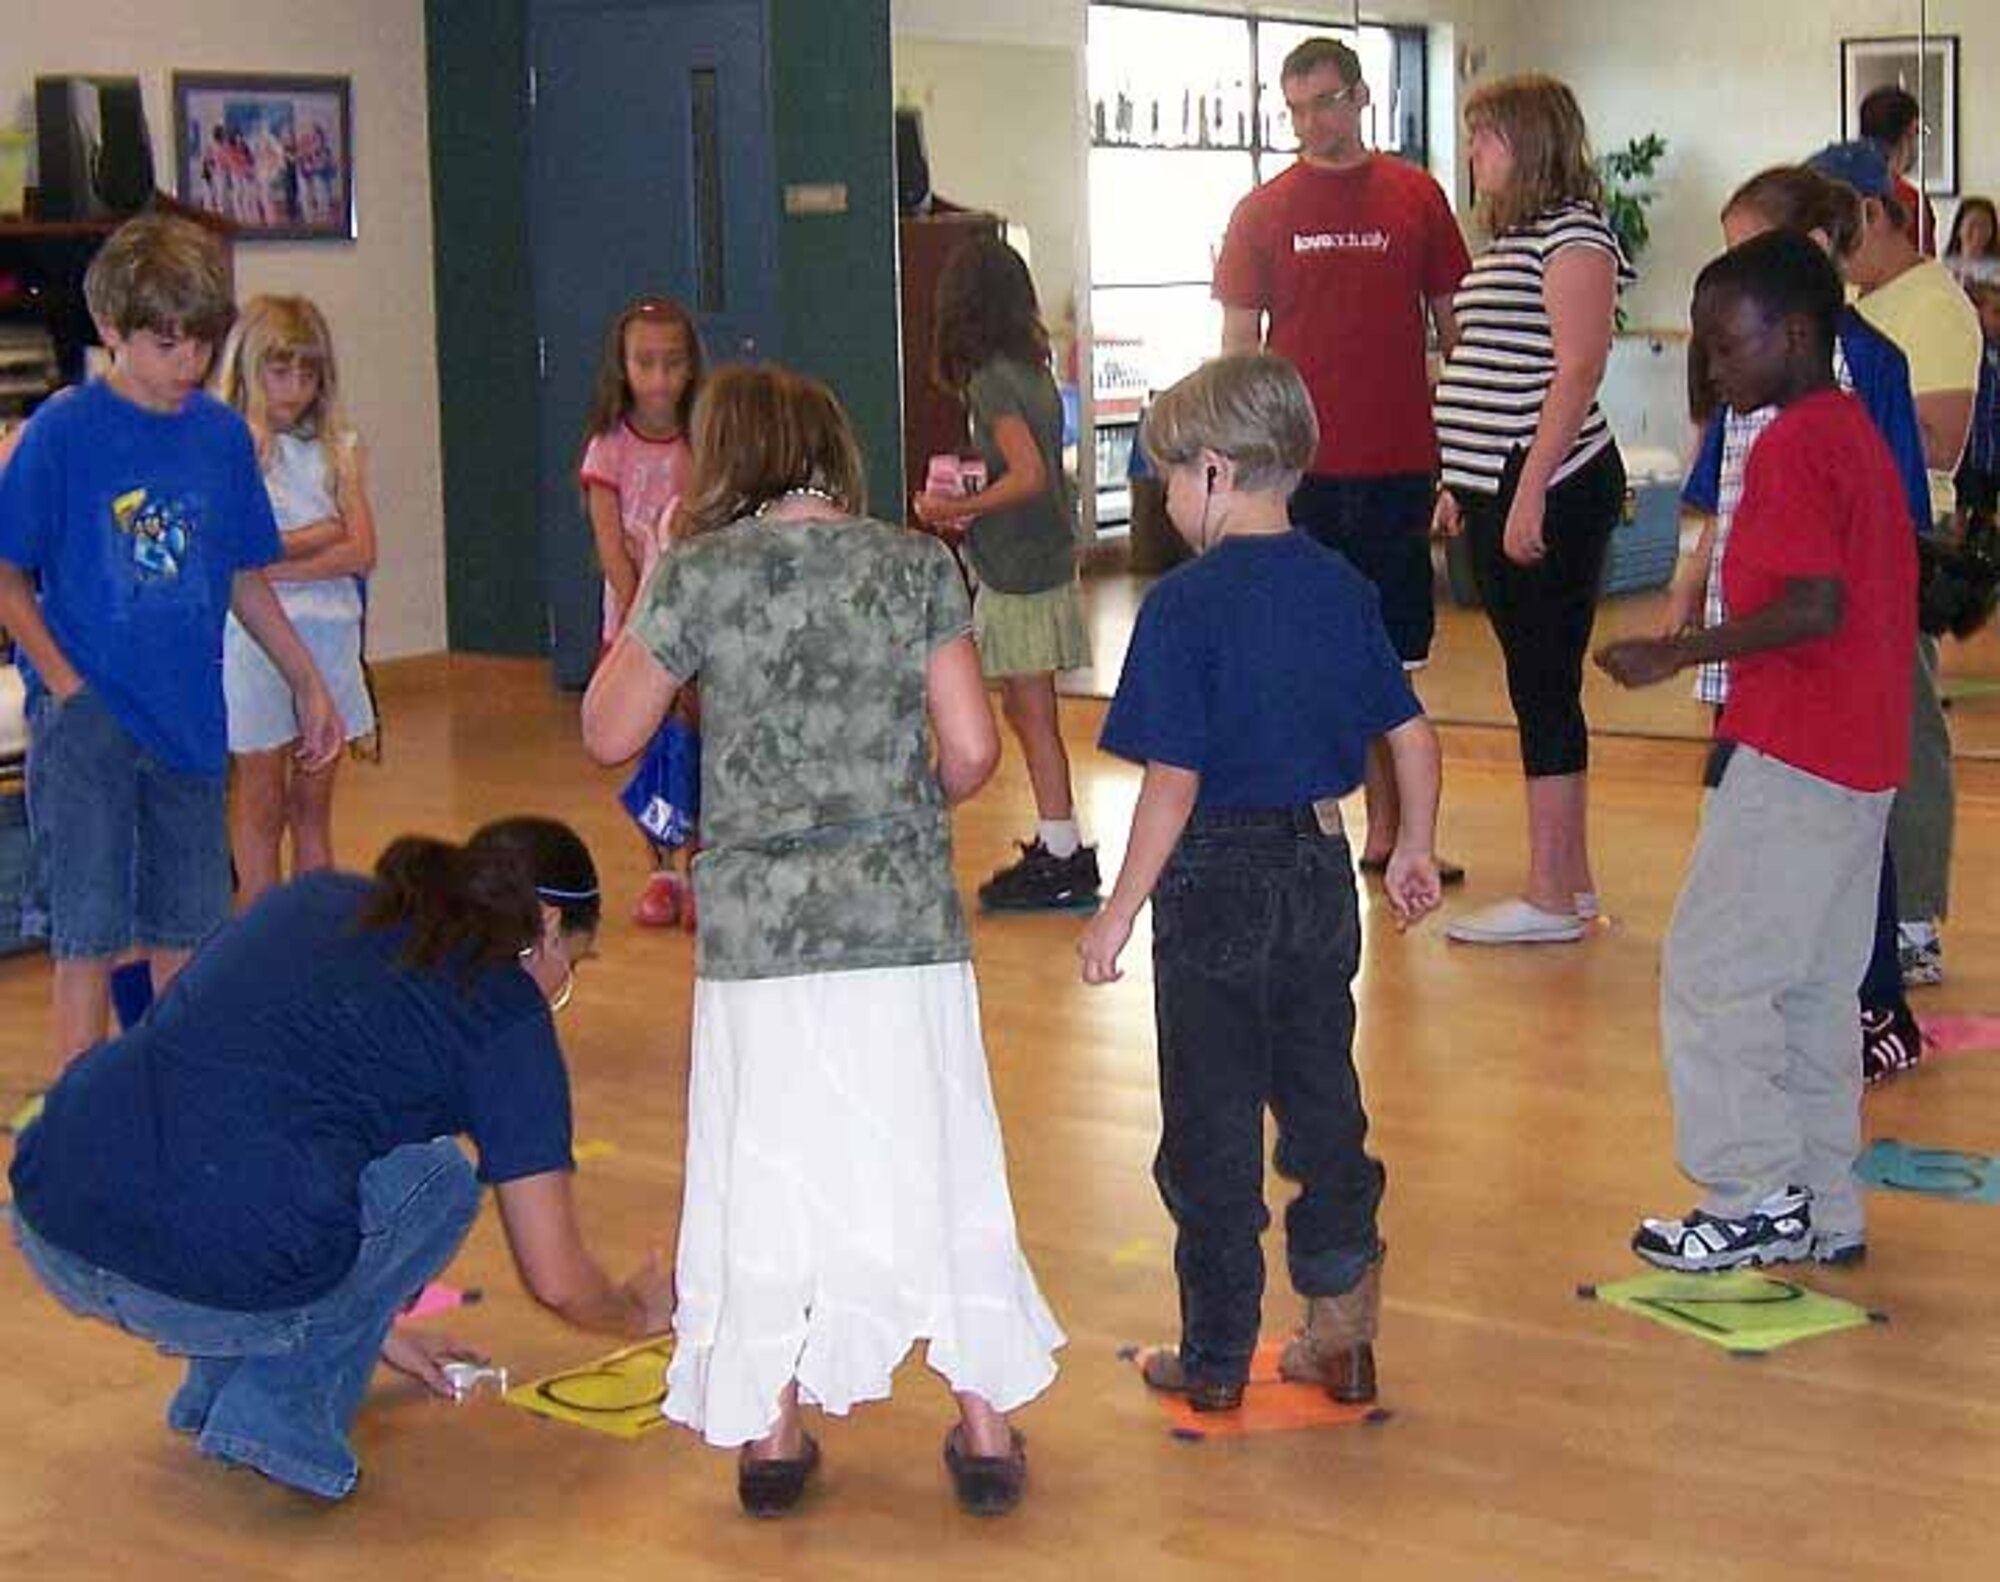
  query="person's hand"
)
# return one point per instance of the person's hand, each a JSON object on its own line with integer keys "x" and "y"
{"x": 1103, "y": 938}
{"x": 422, "y": 1355}
{"x": 1639, "y": 661}
{"x": 937, "y": 510}
{"x": 1447, "y": 520}
{"x": 1521, "y": 540}
{"x": 322, "y": 732}
{"x": 1412, "y": 886}
{"x": 652, "y": 1288}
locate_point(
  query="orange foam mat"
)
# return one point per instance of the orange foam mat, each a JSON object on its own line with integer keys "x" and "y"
{"x": 1270, "y": 1405}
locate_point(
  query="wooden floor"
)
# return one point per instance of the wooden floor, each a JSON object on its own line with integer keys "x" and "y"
{"x": 1517, "y": 1102}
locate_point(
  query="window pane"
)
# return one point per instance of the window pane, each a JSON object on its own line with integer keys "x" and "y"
{"x": 1147, "y": 338}
{"x": 1168, "y": 79}
{"x": 1160, "y": 217}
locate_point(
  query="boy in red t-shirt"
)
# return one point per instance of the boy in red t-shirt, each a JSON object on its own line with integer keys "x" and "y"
{"x": 1774, "y": 923}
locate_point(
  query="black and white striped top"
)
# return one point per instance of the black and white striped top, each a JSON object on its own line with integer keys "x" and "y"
{"x": 1490, "y": 396}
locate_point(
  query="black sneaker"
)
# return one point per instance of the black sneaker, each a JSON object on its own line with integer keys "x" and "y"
{"x": 1891, "y": 1043}
{"x": 1042, "y": 883}
{"x": 1777, "y": 1230}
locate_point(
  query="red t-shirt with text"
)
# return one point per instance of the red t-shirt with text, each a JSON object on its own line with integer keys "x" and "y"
{"x": 1821, "y": 499}
{"x": 1343, "y": 262}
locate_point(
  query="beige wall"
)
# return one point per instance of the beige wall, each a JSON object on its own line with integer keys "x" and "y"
{"x": 376, "y": 291}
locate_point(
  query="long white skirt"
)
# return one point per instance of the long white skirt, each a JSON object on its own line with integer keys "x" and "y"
{"x": 846, "y": 1196}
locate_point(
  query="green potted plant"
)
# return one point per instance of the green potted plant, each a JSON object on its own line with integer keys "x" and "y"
{"x": 1628, "y": 193}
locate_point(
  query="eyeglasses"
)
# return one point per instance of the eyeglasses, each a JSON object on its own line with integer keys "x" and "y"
{"x": 1322, "y": 102}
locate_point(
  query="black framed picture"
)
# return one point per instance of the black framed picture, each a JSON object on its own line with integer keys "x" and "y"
{"x": 273, "y": 155}
{"x": 1927, "y": 69}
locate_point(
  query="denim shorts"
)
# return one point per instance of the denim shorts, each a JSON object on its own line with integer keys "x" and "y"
{"x": 125, "y": 850}
{"x": 261, "y": 715}
{"x": 1383, "y": 526}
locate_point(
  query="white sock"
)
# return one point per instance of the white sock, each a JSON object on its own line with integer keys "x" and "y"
{"x": 1059, "y": 835}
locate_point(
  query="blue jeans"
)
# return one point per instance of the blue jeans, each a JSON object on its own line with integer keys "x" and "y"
{"x": 279, "y": 1391}
{"x": 1256, "y": 939}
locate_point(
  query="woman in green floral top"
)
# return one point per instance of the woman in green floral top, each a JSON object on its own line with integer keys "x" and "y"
{"x": 846, "y": 1190}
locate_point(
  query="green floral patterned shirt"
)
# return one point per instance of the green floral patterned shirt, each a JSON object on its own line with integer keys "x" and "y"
{"x": 826, "y": 843}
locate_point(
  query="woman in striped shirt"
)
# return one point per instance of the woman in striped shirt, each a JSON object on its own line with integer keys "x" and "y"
{"x": 1530, "y": 471}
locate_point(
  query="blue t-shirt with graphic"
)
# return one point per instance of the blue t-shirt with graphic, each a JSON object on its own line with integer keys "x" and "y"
{"x": 214, "y": 1152}
{"x": 1264, "y": 667}
{"x": 134, "y": 524}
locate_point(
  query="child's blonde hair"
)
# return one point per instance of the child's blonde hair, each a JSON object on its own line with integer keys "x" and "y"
{"x": 283, "y": 329}
{"x": 1252, "y": 407}
{"x": 162, "y": 273}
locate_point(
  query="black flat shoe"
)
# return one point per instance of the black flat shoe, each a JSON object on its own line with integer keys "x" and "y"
{"x": 772, "y": 1487}
{"x": 986, "y": 1485}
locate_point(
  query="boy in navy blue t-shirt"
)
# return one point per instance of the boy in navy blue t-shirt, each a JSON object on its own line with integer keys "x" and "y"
{"x": 1257, "y": 678}
{"x": 133, "y": 518}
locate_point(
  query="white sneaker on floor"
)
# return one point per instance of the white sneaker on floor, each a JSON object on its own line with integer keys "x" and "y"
{"x": 1588, "y": 908}
{"x": 1515, "y": 922}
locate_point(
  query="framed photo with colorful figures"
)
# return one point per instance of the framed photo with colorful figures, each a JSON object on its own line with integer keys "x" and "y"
{"x": 273, "y": 155}
{"x": 1927, "y": 70}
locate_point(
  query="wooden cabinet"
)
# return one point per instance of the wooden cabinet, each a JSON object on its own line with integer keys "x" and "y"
{"x": 934, "y": 420}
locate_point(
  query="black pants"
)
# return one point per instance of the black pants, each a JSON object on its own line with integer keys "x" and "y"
{"x": 1256, "y": 938}
{"x": 1543, "y": 613}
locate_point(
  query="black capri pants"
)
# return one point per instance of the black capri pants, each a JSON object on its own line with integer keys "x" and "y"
{"x": 1543, "y": 613}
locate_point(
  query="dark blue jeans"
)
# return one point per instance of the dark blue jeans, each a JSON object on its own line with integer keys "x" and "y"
{"x": 1256, "y": 938}
{"x": 279, "y": 1391}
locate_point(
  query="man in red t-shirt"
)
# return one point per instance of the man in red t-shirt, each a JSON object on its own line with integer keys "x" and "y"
{"x": 1333, "y": 265}
{"x": 1892, "y": 120}
{"x": 1775, "y": 921}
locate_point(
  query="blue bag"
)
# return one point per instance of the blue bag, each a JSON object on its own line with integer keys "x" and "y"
{"x": 664, "y": 794}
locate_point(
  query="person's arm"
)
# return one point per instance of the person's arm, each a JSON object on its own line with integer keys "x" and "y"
{"x": 1444, "y": 321}
{"x": 1688, "y": 592}
{"x": 1242, "y": 330}
{"x": 1166, "y": 799}
{"x": 21, "y": 615}
{"x": 1411, "y": 881}
{"x": 1944, "y": 417}
{"x": 628, "y": 698}
{"x": 601, "y": 501}
{"x": 1024, "y": 479}
{"x": 968, "y": 742}
{"x": 322, "y": 732}
{"x": 538, "y": 1213}
{"x": 1807, "y": 609}
{"x": 1580, "y": 291}
{"x": 342, "y": 545}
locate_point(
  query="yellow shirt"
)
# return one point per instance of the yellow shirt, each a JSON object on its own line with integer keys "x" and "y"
{"x": 1929, "y": 317}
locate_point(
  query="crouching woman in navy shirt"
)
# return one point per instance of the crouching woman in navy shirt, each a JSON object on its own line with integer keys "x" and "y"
{"x": 262, "y": 1174}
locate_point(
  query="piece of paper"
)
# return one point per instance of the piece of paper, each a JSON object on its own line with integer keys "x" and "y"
{"x": 437, "y": 1297}
{"x": 1953, "y": 1031}
{"x": 26, "y": 1115}
{"x": 1736, "y": 1310}
{"x": 618, "y": 1395}
{"x": 1890, "y": 1166}
{"x": 1270, "y": 1405}
{"x": 596, "y": 1148}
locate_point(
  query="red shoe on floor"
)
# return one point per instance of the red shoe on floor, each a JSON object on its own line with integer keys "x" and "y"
{"x": 663, "y": 902}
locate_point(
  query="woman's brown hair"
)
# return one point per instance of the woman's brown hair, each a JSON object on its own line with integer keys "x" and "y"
{"x": 985, "y": 308}
{"x": 761, "y": 433}
{"x": 610, "y": 396}
{"x": 480, "y": 904}
{"x": 1539, "y": 119}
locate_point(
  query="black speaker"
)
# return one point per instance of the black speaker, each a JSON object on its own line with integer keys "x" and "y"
{"x": 913, "y": 166}
{"x": 96, "y": 157}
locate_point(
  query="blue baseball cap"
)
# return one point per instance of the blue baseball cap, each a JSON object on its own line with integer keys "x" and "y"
{"x": 1860, "y": 164}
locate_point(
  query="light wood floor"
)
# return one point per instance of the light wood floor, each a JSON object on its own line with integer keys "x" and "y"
{"x": 1517, "y": 1102}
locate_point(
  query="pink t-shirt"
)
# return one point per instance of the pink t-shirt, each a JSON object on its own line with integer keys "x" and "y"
{"x": 648, "y": 476}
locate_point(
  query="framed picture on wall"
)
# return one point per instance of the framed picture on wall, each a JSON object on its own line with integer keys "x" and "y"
{"x": 1925, "y": 68}
{"x": 273, "y": 155}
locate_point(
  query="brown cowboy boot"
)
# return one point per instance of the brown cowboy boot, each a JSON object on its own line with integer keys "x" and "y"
{"x": 1334, "y": 1347}
{"x": 1161, "y": 1369}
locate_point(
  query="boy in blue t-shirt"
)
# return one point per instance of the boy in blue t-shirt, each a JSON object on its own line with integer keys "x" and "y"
{"x": 133, "y": 518}
{"x": 1257, "y": 678}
